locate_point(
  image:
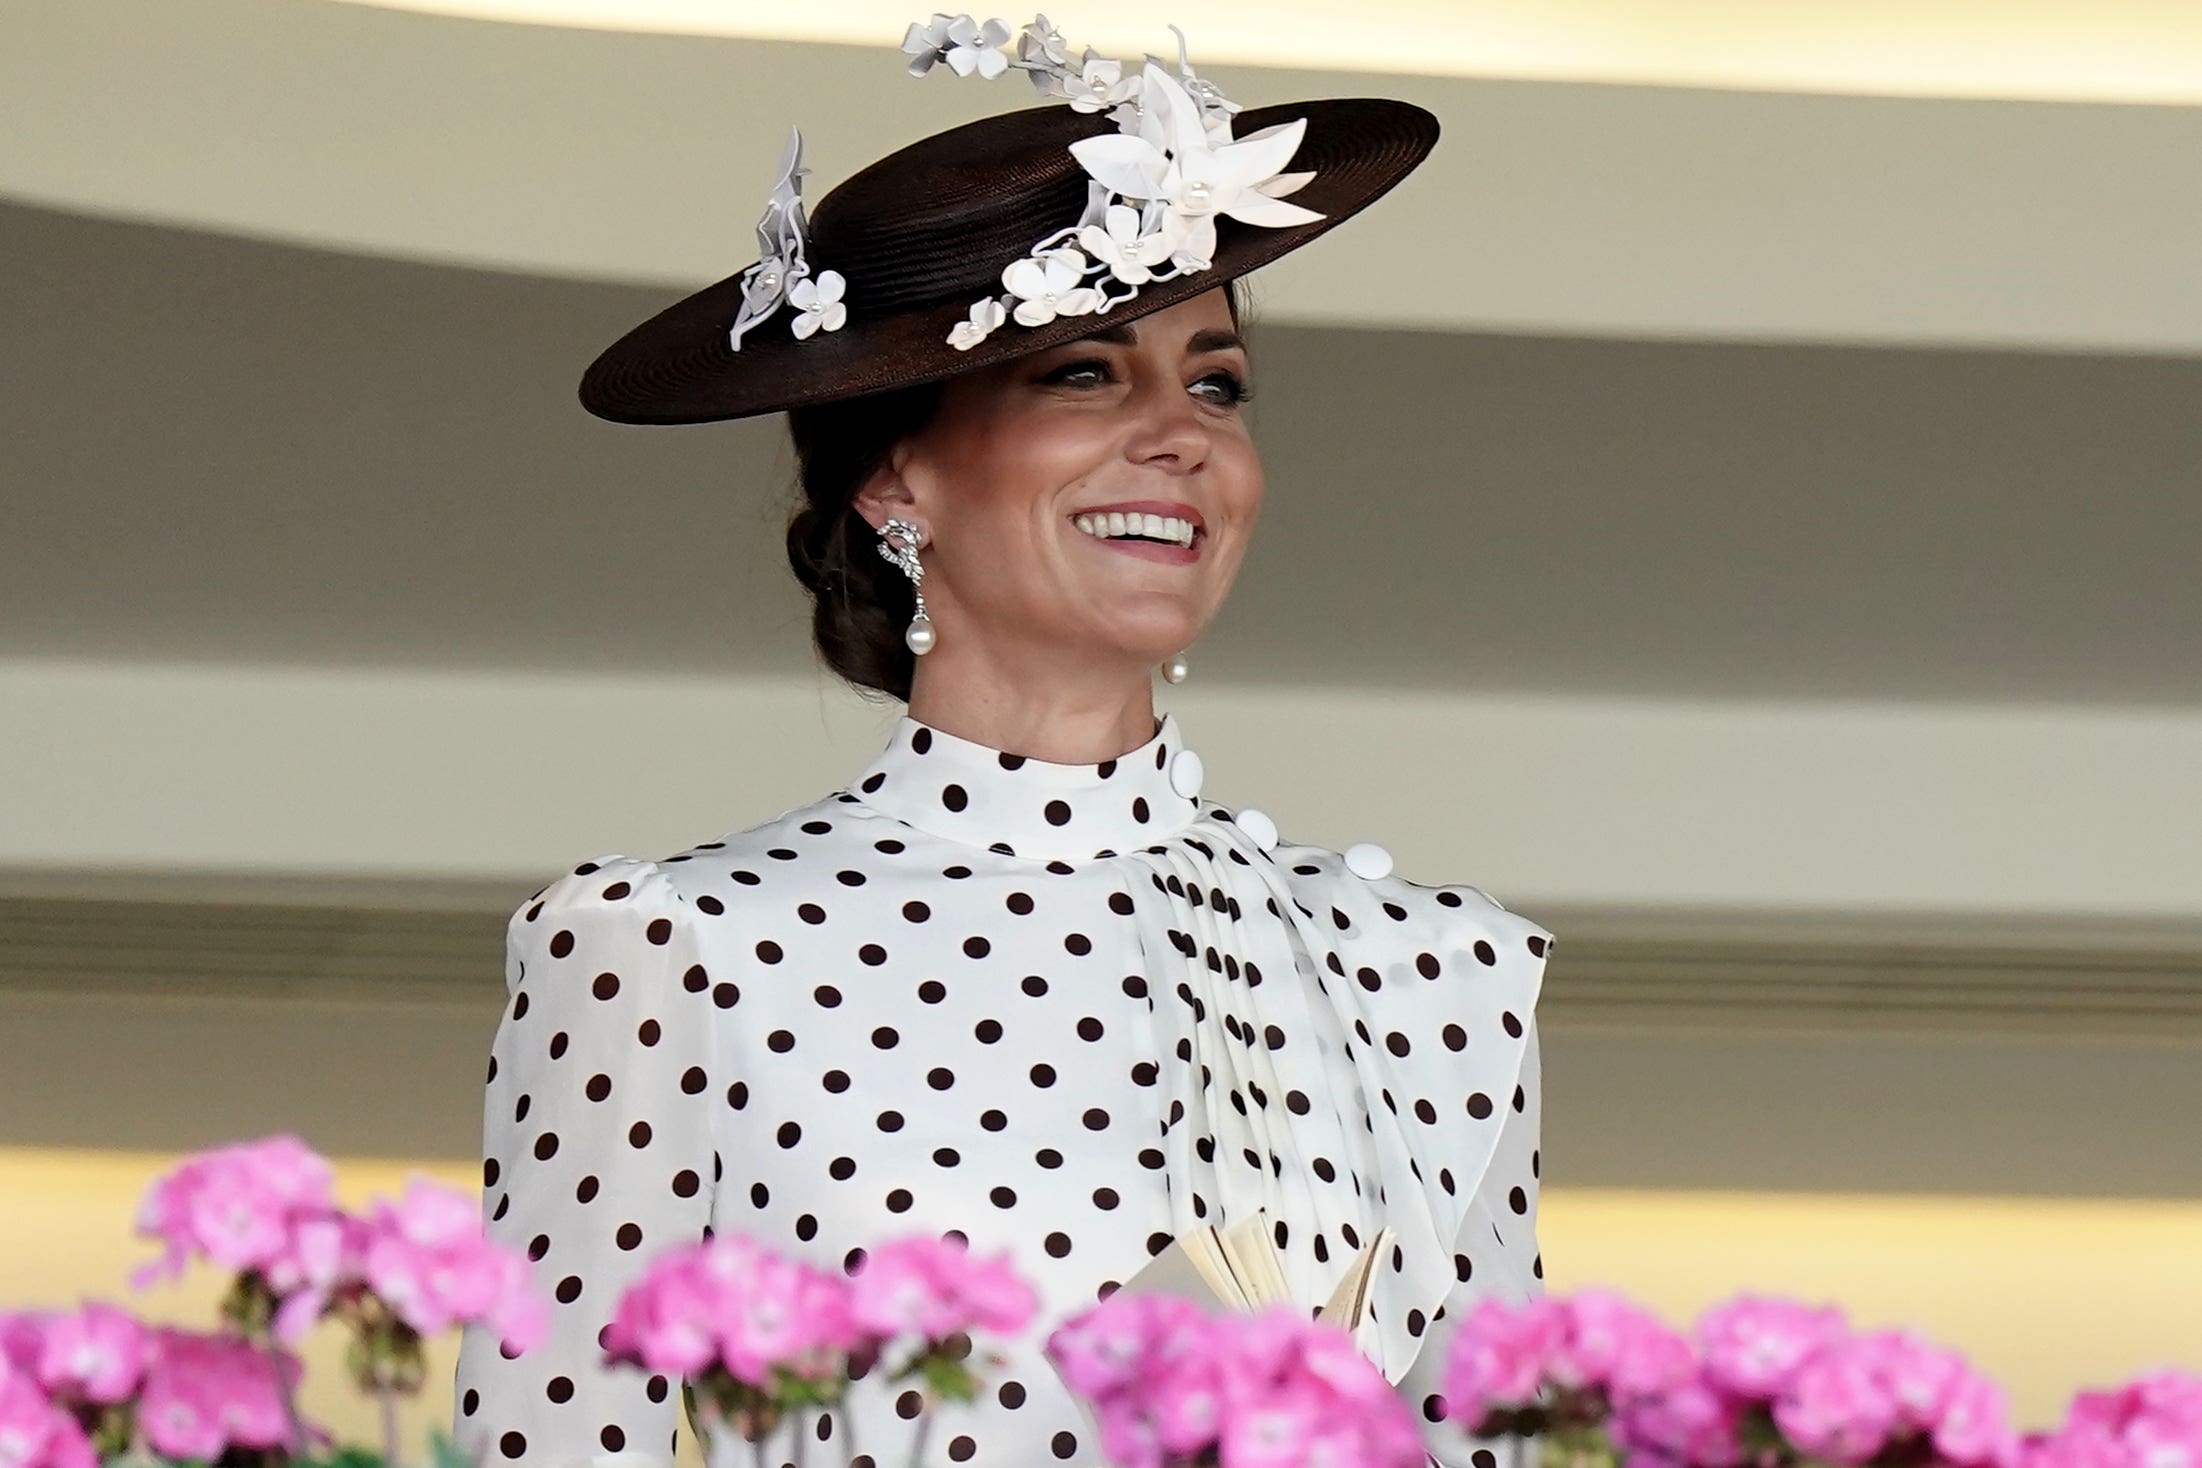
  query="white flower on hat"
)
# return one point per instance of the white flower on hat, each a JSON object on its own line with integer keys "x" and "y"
{"x": 781, "y": 262}
{"x": 1124, "y": 246}
{"x": 1172, "y": 158}
{"x": 1041, "y": 42}
{"x": 1102, "y": 84}
{"x": 1046, "y": 286}
{"x": 819, "y": 301}
{"x": 961, "y": 42}
{"x": 985, "y": 315}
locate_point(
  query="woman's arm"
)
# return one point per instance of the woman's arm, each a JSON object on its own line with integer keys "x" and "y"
{"x": 596, "y": 1154}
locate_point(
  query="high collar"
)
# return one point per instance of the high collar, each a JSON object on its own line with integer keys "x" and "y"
{"x": 965, "y": 791}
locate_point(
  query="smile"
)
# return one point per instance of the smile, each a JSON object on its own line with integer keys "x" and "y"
{"x": 1138, "y": 528}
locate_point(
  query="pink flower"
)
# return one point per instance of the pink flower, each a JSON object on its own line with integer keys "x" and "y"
{"x": 1104, "y": 1350}
{"x": 1501, "y": 1355}
{"x": 1752, "y": 1345}
{"x": 34, "y": 1432}
{"x": 22, "y": 1339}
{"x": 1692, "y": 1422}
{"x": 667, "y": 1321}
{"x": 233, "y": 1205}
{"x": 1613, "y": 1345}
{"x": 94, "y": 1354}
{"x": 206, "y": 1393}
{"x": 1265, "y": 1390}
{"x": 729, "y": 1302}
{"x": 1974, "y": 1428}
{"x": 1838, "y": 1404}
{"x": 933, "y": 1287}
{"x": 427, "y": 1258}
{"x": 2153, "y": 1421}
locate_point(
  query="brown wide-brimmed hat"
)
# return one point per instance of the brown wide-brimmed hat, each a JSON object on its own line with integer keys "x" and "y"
{"x": 898, "y": 276}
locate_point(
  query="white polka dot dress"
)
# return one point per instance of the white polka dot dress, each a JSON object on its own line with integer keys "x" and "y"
{"x": 1065, "y": 1009}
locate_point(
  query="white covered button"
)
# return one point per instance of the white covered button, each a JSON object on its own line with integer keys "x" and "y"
{"x": 1185, "y": 773}
{"x": 1368, "y": 861}
{"x": 1259, "y": 829}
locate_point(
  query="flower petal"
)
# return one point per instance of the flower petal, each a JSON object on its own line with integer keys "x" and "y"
{"x": 1282, "y": 184}
{"x": 1250, "y": 160}
{"x": 1186, "y": 133}
{"x": 830, "y": 285}
{"x": 1129, "y": 165}
{"x": 1025, "y": 278}
{"x": 804, "y": 325}
{"x": 836, "y": 313}
{"x": 1033, "y": 313}
{"x": 1259, "y": 208}
{"x": 992, "y": 64}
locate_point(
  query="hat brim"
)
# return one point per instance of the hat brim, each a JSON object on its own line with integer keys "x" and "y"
{"x": 677, "y": 367}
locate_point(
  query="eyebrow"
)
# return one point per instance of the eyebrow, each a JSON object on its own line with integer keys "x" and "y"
{"x": 1208, "y": 339}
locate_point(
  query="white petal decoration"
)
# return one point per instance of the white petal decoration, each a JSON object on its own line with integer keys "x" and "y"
{"x": 1258, "y": 208}
{"x": 1026, "y": 278}
{"x": 1131, "y": 166}
{"x": 1284, "y": 183}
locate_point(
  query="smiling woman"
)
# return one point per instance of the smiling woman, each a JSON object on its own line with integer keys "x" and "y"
{"x": 1018, "y": 981}
{"x": 1001, "y": 465}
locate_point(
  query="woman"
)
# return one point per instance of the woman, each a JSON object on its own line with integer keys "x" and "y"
{"x": 1020, "y": 978}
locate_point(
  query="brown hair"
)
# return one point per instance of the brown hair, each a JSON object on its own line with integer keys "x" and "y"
{"x": 860, "y": 601}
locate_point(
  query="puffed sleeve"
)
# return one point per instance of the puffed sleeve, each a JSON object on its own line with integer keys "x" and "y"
{"x": 596, "y": 1154}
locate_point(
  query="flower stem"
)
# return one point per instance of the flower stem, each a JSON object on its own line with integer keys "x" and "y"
{"x": 917, "y": 1444}
{"x": 389, "y": 1401}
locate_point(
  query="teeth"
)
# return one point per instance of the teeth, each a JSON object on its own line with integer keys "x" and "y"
{"x": 1115, "y": 523}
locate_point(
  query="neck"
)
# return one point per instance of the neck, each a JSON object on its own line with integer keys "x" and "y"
{"x": 1070, "y": 716}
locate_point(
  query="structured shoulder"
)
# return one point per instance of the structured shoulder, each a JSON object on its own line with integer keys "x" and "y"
{"x": 1427, "y": 922}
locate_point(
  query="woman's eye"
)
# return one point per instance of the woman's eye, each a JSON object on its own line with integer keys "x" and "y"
{"x": 1234, "y": 389}
{"x": 1069, "y": 369}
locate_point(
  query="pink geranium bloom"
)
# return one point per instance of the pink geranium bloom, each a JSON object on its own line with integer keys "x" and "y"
{"x": 1752, "y": 1345}
{"x": 37, "y": 1433}
{"x": 234, "y": 1206}
{"x": 1501, "y": 1355}
{"x": 427, "y": 1258}
{"x": 1614, "y": 1345}
{"x": 1974, "y": 1428}
{"x": 1103, "y": 1351}
{"x": 1838, "y": 1404}
{"x": 1690, "y": 1422}
{"x": 932, "y": 1288}
{"x": 97, "y": 1353}
{"x": 204, "y": 1394}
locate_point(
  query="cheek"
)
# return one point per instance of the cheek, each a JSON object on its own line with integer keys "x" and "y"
{"x": 1239, "y": 481}
{"x": 1023, "y": 467}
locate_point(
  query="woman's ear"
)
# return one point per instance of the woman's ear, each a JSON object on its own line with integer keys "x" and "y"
{"x": 884, "y": 494}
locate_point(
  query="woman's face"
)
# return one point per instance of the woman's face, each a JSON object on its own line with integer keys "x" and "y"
{"x": 1140, "y": 414}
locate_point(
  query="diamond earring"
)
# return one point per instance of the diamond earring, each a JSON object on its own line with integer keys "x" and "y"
{"x": 1175, "y": 670}
{"x": 899, "y": 544}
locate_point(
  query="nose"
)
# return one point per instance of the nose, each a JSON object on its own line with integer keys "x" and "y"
{"x": 1172, "y": 434}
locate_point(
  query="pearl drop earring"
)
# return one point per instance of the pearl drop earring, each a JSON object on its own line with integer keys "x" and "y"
{"x": 901, "y": 539}
{"x": 1175, "y": 670}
